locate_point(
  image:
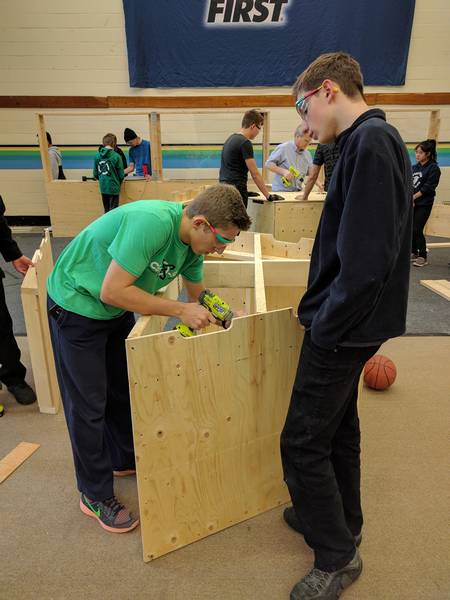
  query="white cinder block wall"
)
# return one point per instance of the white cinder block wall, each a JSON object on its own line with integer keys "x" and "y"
{"x": 55, "y": 47}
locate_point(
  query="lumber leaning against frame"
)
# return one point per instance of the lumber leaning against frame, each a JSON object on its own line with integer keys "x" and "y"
{"x": 34, "y": 300}
{"x": 208, "y": 410}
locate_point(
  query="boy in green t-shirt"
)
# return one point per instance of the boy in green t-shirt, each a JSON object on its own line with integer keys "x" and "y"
{"x": 108, "y": 169}
{"x": 110, "y": 270}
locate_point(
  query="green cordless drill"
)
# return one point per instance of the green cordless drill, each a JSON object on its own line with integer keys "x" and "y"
{"x": 216, "y": 306}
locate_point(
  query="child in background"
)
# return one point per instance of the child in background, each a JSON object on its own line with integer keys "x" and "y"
{"x": 426, "y": 175}
{"x": 139, "y": 155}
{"x": 108, "y": 169}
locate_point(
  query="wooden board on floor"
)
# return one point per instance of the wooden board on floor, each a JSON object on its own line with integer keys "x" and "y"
{"x": 15, "y": 458}
{"x": 439, "y": 286}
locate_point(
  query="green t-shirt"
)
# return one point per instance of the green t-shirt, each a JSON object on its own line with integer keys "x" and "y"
{"x": 142, "y": 237}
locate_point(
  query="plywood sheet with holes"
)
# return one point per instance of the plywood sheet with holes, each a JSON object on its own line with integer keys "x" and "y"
{"x": 288, "y": 220}
{"x": 207, "y": 415}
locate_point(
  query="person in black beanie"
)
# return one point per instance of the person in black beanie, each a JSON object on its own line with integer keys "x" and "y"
{"x": 139, "y": 155}
{"x": 12, "y": 371}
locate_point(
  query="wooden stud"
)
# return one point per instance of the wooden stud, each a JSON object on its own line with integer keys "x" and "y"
{"x": 260, "y": 291}
{"x": 15, "y": 458}
{"x": 43, "y": 148}
{"x": 434, "y": 125}
{"x": 156, "y": 149}
{"x": 265, "y": 145}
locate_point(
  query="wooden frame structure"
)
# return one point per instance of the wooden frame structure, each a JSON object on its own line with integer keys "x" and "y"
{"x": 154, "y": 125}
{"x": 74, "y": 204}
{"x": 34, "y": 301}
{"x": 208, "y": 411}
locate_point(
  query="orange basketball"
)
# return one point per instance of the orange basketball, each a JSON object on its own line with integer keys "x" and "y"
{"x": 379, "y": 372}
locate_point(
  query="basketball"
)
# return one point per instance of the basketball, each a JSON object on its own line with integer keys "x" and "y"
{"x": 379, "y": 372}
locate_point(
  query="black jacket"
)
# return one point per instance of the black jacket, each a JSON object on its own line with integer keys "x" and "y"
{"x": 8, "y": 247}
{"x": 425, "y": 179}
{"x": 359, "y": 276}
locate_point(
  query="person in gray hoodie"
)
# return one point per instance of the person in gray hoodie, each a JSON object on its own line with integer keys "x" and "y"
{"x": 55, "y": 157}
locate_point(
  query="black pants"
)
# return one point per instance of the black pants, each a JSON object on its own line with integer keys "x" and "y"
{"x": 242, "y": 189}
{"x": 91, "y": 367}
{"x": 12, "y": 370}
{"x": 419, "y": 244}
{"x": 320, "y": 449}
{"x": 110, "y": 201}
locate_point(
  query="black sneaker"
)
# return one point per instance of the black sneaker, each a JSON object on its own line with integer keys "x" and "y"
{"x": 291, "y": 519}
{"x": 22, "y": 393}
{"x": 111, "y": 515}
{"x": 321, "y": 585}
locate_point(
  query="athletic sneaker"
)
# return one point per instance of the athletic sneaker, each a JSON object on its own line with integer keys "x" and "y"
{"x": 414, "y": 256}
{"x": 420, "y": 262}
{"x": 321, "y": 585}
{"x": 290, "y": 517}
{"x": 124, "y": 473}
{"x": 111, "y": 515}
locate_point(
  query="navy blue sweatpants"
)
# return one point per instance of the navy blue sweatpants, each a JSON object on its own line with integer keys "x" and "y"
{"x": 92, "y": 374}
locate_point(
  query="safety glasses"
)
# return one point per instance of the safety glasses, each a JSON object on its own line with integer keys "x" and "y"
{"x": 220, "y": 238}
{"x": 302, "y": 105}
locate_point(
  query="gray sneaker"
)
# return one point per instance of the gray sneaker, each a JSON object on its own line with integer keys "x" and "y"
{"x": 414, "y": 257}
{"x": 420, "y": 262}
{"x": 321, "y": 585}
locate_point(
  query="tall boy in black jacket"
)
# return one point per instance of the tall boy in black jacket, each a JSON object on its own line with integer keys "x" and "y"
{"x": 356, "y": 299}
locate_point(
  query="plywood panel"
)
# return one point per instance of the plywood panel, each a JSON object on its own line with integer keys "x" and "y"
{"x": 207, "y": 414}
{"x": 34, "y": 301}
{"x": 439, "y": 222}
{"x": 75, "y": 204}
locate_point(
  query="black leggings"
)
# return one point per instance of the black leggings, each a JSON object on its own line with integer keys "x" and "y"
{"x": 419, "y": 245}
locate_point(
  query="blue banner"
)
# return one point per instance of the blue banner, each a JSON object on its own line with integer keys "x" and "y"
{"x": 235, "y": 43}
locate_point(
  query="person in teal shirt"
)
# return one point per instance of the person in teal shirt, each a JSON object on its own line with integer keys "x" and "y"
{"x": 110, "y": 270}
{"x": 108, "y": 169}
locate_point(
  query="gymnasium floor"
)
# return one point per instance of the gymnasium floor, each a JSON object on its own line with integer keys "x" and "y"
{"x": 50, "y": 551}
